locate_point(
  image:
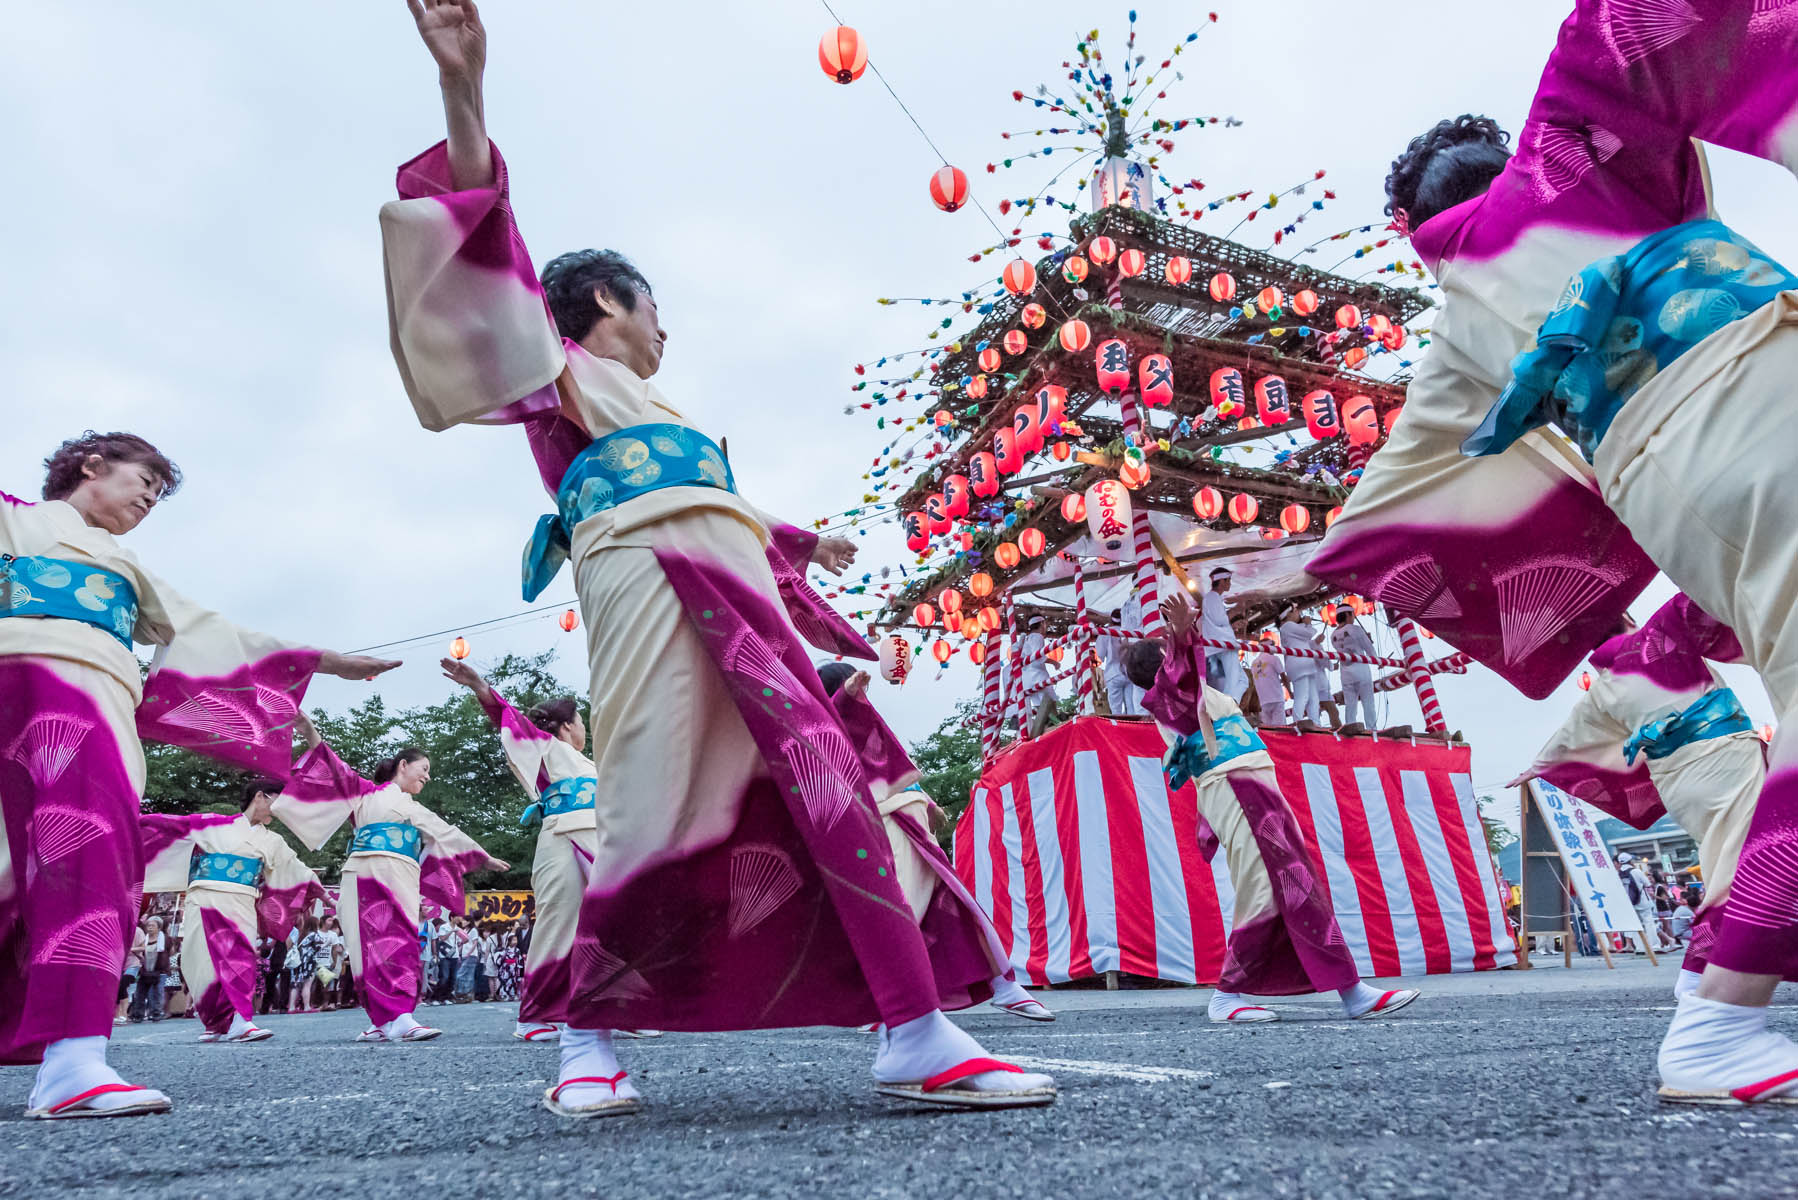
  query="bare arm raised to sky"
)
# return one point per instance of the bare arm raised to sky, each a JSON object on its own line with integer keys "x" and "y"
{"x": 453, "y": 33}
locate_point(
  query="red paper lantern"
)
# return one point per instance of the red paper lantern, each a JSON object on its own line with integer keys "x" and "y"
{"x": 459, "y": 649}
{"x": 843, "y": 54}
{"x": 1269, "y": 298}
{"x": 1031, "y": 542}
{"x": 1133, "y": 474}
{"x": 1272, "y": 401}
{"x": 1585, "y": 681}
{"x": 568, "y": 621}
{"x": 1248, "y": 423}
{"x": 1272, "y": 535}
{"x": 941, "y": 650}
{"x": 976, "y": 388}
{"x": 1360, "y": 421}
{"x": 944, "y": 418}
{"x": 980, "y": 584}
{"x": 1178, "y": 270}
{"x": 1051, "y": 407}
{"x": 955, "y": 495}
{"x": 1223, "y": 287}
{"x": 1155, "y": 379}
{"x": 952, "y": 622}
{"x": 1131, "y": 263}
{"x": 983, "y": 472}
{"x": 1074, "y": 269}
{"x": 949, "y": 188}
{"x": 1244, "y": 508}
{"x": 989, "y": 360}
{"x": 1006, "y": 451}
{"x": 1322, "y": 417}
{"x": 924, "y": 616}
{"x": 936, "y": 514}
{"x": 1354, "y": 357}
{"x": 1295, "y": 518}
{"x": 1379, "y": 325}
{"x": 1304, "y": 303}
{"x": 977, "y": 652}
{"x": 1073, "y": 508}
{"x": 1102, "y": 250}
{"x": 1007, "y": 555}
{"x": 989, "y": 619}
{"x": 1019, "y": 277}
{"x": 1075, "y": 336}
{"x": 950, "y": 599}
{"x": 1207, "y": 502}
{"x": 1033, "y": 316}
{"x": 1393, "y": 339}
{"x": 1028, "y": 428}
{"x": 1348, "y": 317}
{"x": 1055, "y": 654}
{"x": 1330, "y": 517}
{"x": 917, "y": 532}
{"x": 1112, "y": 363}
{"x": 1226, "y": 391}
{"x": 1061, "y": 451}
{"x": 1015, "y": 342}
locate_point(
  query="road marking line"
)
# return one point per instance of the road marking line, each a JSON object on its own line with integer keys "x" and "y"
{"x": 1133, "y": 1071}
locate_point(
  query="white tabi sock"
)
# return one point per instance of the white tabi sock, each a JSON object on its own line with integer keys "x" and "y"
{"x": 1009, "y": 991}
{"x": 399, "y": 1026}
{"x": 1224, "y": 1003}
{"x": 932, "y": 1044}
{"x": 588, "y": 1054}
{"x": 1686, "y": 984}
{"x": 1713, "y": 1046}
{"x": 239, "y": 1023}
{"x": 1359, "y": 998}
{"x": 72, "y": 1066}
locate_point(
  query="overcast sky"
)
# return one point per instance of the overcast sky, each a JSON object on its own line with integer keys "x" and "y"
{"x": 195, "y": 257}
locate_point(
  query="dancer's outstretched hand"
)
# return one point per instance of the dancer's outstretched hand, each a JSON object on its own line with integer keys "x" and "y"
{"x": 453, "y": 33}
{"x": 834, "y": 554}
{"x": 1176, "y": 610}
{"x": 467, "y": 676}
{"x": 857, "y": 687}
{"x": 307, "y": 730}
{"x": 354, "y": 666}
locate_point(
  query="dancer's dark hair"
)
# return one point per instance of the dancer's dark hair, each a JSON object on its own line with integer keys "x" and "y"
{"x": 62, "y": 470}
{"x": 835, "y": 675}
{"x": 552, "y": 716}
{"x": 569, "y": 282}
{"x": 1455, "y": 161}
{"x": 387, "y": 768}
{"x": 255, "y": 786}
{"x": 1142, "y": 662}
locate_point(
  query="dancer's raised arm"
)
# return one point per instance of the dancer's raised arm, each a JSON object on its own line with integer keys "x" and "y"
{"x": 453, "y": 33}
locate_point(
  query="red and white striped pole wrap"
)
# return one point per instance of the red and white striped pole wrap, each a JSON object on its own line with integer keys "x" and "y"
{"x": 1142, "y": 542}
{"x": 989, "y": 709}
{"x": 1420, "y": 675}
{"x": 1082, "y": 640}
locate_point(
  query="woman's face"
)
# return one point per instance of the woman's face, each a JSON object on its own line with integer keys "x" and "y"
{"x": 115, "y": 496}
{"x": 411, "y": 777}
{"x": 261, "y": 810}
{"x": 575, "y": 733}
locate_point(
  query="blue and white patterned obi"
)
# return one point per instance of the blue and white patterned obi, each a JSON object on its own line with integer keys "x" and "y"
{"x": 1187, "y": 758}
{"x": 1620, "y": 322}
{"x": 387, "y": 837}
{"x": 1715, "y": 714}
{"x": 618, "y": 468}
{"x": 224, "y": 868}
{"x": 38, "y": 586}
{"x": 562, "y": 796}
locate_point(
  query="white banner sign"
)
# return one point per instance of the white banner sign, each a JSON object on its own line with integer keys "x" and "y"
{"x": 1594, "y": 877}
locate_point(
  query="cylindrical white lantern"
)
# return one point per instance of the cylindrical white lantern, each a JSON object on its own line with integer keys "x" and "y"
{"x": 895, "y": 658}
{"x": 1108, "y": 513}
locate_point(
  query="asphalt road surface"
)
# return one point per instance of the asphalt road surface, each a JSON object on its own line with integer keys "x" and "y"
{"x": 1509, "y": 1084}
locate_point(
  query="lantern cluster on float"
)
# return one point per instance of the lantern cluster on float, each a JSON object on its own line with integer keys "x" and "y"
{"x": 1272, "y": 401}
{"x": 1226, "y": 391}
{"x": 1111, "y": 362}
{"x": 1108, "y": 513}
{"x": 1155, "y": 379}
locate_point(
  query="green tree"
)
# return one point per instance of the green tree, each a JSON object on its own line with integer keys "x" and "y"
{"x": 1498, "y": 834}
{"x": 949, "y": 760}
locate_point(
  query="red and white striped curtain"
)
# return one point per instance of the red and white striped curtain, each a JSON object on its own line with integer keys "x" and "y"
{"x": 1088, "y": 864}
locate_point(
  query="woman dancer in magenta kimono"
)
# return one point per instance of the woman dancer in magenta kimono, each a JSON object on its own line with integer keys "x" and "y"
{"x": 402, "y": 854}
{"x": 73, "y": 707}
{"x": 242, "y": 880}
{"x": 1284, "y": 939}
{"x": 1584, "y": 279}
{"x": 742, "y": 878}
{"x": 925, "y": 876}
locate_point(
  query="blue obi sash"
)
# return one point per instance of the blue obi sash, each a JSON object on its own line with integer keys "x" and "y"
{"x": 388, "y": 837}
{"x": 35, "y": 585}
{"x": 619, "y": 467}
{"x": 1715, "y": 714}
{"x": 562, "y": 796}
{"x": 1623, "y": 320}
{"x": 225, "y": 868}
{"x": 1188, "y": 759}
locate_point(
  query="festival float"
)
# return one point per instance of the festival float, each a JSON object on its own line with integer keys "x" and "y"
{"x": 1133, "y": 402}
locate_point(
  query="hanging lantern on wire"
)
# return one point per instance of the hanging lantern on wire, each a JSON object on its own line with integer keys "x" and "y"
{"x": 1295, "y": 518}
{"x": 1223, "y": 287}
{"x": 1348, "y": 317}
{"x": 917, "y": 532}
{"x": 1178, "y": 270}
{"x": 1354, "y": 357}
{"x": 1019, "y": 277}
{"x": 1031, "y": 541}
{"x": 1379, "y": 325}
{"x": 568, "y": 621}
{"x": 1073, "y": 508}
{"x": 1208, "y": 503}
{"x": 1027, "y": 429}
{"x": 923, "y": 616}
{"x": 1272, "y": 401}
{"x": 1074, "y": 268}
{"x": 1269, "y": 298}
{"x": 1132, "y": 263}
{"x": 1304, "y": 302}
{"x": 955, "y": 495}
{"x": 1061, "y": 452}
{"x": 1322, "y": 419}
{"x": 1102, "y": 250}
{"x": 1006, "y": 452}
{"x": 941, "y": 650}
{"x": 952, "y": 622}
{"x": 1051, "y": 407}
{"x": 1108, "y": 513}
{"x": 1015, "y": 341}
{"x": 895, "y": 658}
{"x": 988, "y": 359}
{"x": 1111, "y": 361}
{"x": 1155, "y": 379}
{"x": 983, "y": 474}
{"x": 944, "y": 418}
{"x": 1244, "y": 508}
{"x": 950, "y": 600}
{"x": 459, "y": 649}
{"x": 1033, "y": 316}
{"x": 1133, "y": 472}
{"x": 976, "y": 388}
{"x": 1393, "y": 339}
{"x": 949, "y": 188}
{"x": 977, "y": 652}
{"x": 989, "y": 619}
{"x": 1330, "y": 517}
{"x": 980, "y": 584}
{"x": 1075, "y": 336}
{"x": 843, "y": 54}
{"x": 1007, "y": 555}
{"x": 1226, "y": 391}
{"x": 936, "y": 514}
{"x": 1360, "y": 421}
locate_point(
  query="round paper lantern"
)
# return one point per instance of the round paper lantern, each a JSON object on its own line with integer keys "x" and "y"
{"x": 1178, "y": 270}
{"x": 1031, "y": 542}
{"x": 1019, "y": 277}
{"x": 1393, "y": 339}
{"x": 1360, "y": 421}
{"x": 1269, "y": 298}
{"x": 955, "y": 495}
{"x": 1008, "y": 455}
{"x": 989, "y": 619}
{"x": 923, "y": 616}
{"x": 1354, "y": 357}
{"x": 917, "y": 532}
{"x": 1015, "y": 341}
{"x": 895, "y": 658}
{"x": 983, "y": 473}
{"x": 1073, "y": 508}
{"x": 1133, "y": 474}
{"x": 1131, "y": 263}
{"x": 1028, "y": 428}
{"x": 1585, "y": 681}
{"x": 843, "y": 54}
{"x": 1102, "y": 250}
{"x": 1223, "y": 287}
{"x": 1075, "y": 336}
{"x": 1111, "y": 362}
{"x": 1007, "y": 555}
{"x": 1033, "y": 316}
{"x": 936, "y": 514}
{"x": 944, "y": 418}
{"x": 949, "y": 188}
{"x": 1295, "y": 518}
{"x": 568, "y": 621}
{"x": 1322, "y": 419}
{"x": 981, "y": 584}
{"x": 1074, "y": 269}
{"x": 1348, "y": 317}
{"x": 1055, "y": 654}
{"x": 989, "y": 360}
{"x": 1061, "y": 452}
{"x": 1208, "y": 503}
{"x": 1304, "y": 303}
{"x": 941, "y": 650}
{"x": 459, "y": 649}
{"x": 977, "y": 653}
{"x": 1226, "y": 391}
{"x": 1272, "y": 401}
{"x": 1108, "y": 513}
{"x": 976, "y": 388}
{"x": 1330, "y": 517}
{"x": 952, "y": 622}
{"x": 950, "y": 599}
{"x": 1766, "y": 732}
{"x": 1155, "y": 379}
{"x": 1244, "y": 508}
{"x": 1379, "y": 325}
{"x": 1051, "y": 407}
{"x": 1391, "y": 418}
{"x": 1272, "y": 535}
